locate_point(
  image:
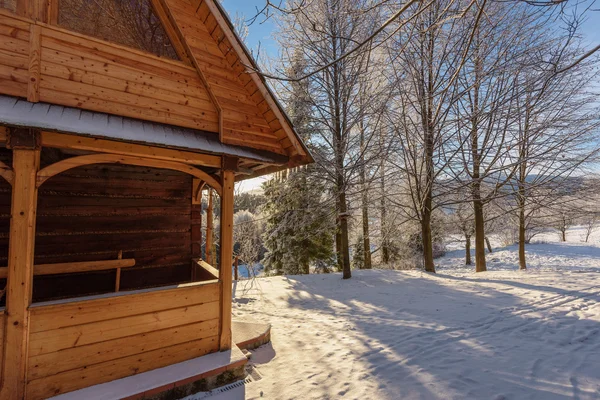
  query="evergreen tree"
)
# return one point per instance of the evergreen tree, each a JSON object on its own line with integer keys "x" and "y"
{"x": 358, "y": 256}
{"x": 299, "y": 231}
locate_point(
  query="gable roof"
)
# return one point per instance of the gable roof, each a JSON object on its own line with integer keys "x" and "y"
{"x": 250, "y": 114}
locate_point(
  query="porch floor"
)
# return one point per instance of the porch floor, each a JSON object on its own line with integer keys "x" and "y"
{"x": 250, "y": 335}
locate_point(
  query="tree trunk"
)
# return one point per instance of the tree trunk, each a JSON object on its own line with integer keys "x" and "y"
{"x": 480, "y": 264}
{"x": 564, "y": 235}
{"x": 366, "y": 240}
{"x": 468, "y": 250}
{"x": 522, "y": 231}
{"x": 385, "y": 253}
{"x": 427, "y": 242}
{"x": 522, "y": 259}
{"x": 365, "y": 204}
{"x": 338, "y": 246}
{"x": 429, "y": 129}
{"x": 345, "y": 247}
{"x": 489, "y": 245}
{"x": 305, "y": 267}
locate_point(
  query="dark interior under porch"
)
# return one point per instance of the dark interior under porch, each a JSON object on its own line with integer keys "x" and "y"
{"x": 105, "y": 212}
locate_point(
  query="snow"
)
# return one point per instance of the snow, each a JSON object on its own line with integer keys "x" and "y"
{"x": 502, "y": 334}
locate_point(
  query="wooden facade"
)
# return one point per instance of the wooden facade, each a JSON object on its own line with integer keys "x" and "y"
{"x": 106, "y": 267}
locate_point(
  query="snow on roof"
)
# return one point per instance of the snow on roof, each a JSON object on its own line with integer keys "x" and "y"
{"x": 51, "y": 117}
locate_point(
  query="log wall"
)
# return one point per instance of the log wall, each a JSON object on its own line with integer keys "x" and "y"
{"x": 91, "y": 213}
{"x": 77, "y": 344}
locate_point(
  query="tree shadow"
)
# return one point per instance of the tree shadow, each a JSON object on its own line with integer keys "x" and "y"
{"x": 426, "y": 337}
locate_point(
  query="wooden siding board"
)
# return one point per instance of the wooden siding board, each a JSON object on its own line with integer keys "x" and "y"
{"x": 78, "y": 357}
{"x": 119, "y": 368}
{"x": 82, "y": 343}
{"x": 57, "y": 316}
{"x": 114, "y": 328}
{"x": 224, "y": 73}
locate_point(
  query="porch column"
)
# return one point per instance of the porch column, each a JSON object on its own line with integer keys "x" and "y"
{"x": 26, "y": 163}
{"x": 208, "y": 247}
{"x": 226, "y": 248}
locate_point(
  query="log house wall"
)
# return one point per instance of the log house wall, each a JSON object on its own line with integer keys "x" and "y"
{"x": 91, "y": 213}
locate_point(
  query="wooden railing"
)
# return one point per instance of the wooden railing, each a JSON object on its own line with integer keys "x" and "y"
{"x": 76, "y": 343}
{"x": 76, "y": 267}
{"x": 207, "y": 267}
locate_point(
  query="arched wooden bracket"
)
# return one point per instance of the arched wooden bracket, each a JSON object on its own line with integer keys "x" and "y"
{"x": 197, "y": 187}
{"x": 74, "y": 162}
{"x": 7, "y": 173}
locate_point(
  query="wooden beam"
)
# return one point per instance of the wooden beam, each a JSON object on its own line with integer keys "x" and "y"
{"x": 26, "y": 163}
{"x": 3, "y": 135}
{"x": 209, "y": 229}
{"x": 7, "y": 173}
{"x": 196, "y": 65}
{"x": 197, "y": 188}
{"x": 75, "y": 267}
{"x": 53, "y": 12}
{"x": 241, "y": 53}
{"x": 23, "y": 138}
{"x": 172, "y": 31}
{"x": 35, "y": 65}
{"x": 212, "y": 270}
{"x": 226, "y": 257}
{"x": 74, "y": 162}
{"x": 64, "y": 141}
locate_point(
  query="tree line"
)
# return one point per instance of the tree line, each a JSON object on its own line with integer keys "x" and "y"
{"x": 427, "y": 118}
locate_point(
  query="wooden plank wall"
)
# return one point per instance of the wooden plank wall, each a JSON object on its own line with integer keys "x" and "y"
{"x": 93, "y": 212}
{"x": 244, "y": 123}
{"x": 79, "y": 344}
{"x": 14, "y": 56}
{"x": 79, "y": 71}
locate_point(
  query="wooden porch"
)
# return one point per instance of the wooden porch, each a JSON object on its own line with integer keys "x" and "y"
{"x": 75, "y": 342}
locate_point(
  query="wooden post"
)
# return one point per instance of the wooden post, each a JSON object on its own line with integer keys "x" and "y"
{"x": 226, "y": 257}
{"x": 118, "y": 276}
{"x": 196, "y": 226}
{"x": 26, "y": 163}
{"x": 209, "y": 229}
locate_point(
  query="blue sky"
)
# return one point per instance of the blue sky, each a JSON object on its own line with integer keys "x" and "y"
{"x": 260, "y": 31}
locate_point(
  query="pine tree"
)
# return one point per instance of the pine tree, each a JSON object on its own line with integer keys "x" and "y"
{"x": 299, "y": 231}
{"x": 358, "y": 256}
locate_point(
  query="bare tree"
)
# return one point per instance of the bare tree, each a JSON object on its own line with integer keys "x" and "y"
{"x": 322, "y": 31}
{"x": 424, "y": 60}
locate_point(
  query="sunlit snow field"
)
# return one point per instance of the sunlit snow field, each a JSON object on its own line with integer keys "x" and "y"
{"x": 503, "y": 334}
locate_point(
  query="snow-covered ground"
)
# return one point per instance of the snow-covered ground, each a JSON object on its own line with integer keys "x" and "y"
{"x": 503, "y": 334}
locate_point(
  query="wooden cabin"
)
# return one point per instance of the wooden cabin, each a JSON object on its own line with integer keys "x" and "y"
{"x": 117, "y": 118}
